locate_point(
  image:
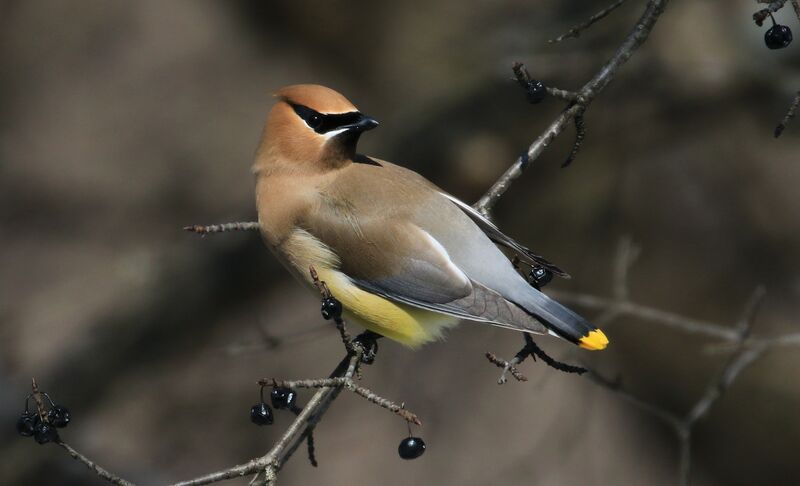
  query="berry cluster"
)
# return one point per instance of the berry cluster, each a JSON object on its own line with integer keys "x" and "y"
{"x": 42, "y": 426}
{"x": 282, "y": 398}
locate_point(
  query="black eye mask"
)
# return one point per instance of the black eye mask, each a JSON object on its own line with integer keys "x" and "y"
{"x": 322, "y": 123}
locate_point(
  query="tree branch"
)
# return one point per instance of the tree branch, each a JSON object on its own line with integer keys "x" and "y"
{"x": 271, "y": 462}
{"x": 360, "y": 351}
{"x": 637, "y": 36}
{"x": 578, "y": 29}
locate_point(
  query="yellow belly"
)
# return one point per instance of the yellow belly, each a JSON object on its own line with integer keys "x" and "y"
{"x": 406, "y": 324}
{"x": 403, "y": 323}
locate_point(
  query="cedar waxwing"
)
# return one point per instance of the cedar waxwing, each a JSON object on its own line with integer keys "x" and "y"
{"x": 405, "y": 259}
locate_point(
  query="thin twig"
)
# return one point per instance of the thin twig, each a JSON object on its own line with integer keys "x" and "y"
{"x": 523, "y": 77}
{"x": 37, "y": 397}
{"x": 99, "y": 471}
{"x": 789, "y": 114}
{"x": 578, "y": 29}
{"x": 350, "y": 385}
{"x": 627, "y": 253}
{"x": 774, "y": 6}
{"x": 580, "y": 136}
{"x": 222, "y": 228}
{"x": 647, "y": 313}
{"x": 508, "y": 367}
{"x": 312, "y": 455}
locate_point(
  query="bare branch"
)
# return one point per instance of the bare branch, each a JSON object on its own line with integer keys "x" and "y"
{"x": 637, "y": 36}
{"x": 576, "y": 31}
{"x": 643, "y": 312}
{"x": 746, "y": 352}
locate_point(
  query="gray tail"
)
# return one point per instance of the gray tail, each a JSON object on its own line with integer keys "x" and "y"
{"x": 562, "y": 321}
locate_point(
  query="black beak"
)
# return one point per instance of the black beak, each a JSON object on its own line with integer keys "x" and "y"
{"x": 363, "y": 124}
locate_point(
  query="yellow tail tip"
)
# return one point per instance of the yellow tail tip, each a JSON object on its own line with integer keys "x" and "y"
{"x": 594, "y": 341}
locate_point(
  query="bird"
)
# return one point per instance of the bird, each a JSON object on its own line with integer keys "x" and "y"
{"x": 406, "y": 259}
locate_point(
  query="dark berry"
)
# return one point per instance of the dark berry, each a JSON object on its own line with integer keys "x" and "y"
{"x": 536, "y": 91}
{"x": 58, "y": 416}
{"x": 411, "y": 448}
{"x": 778, "y": 36}
{"x": 26, "y": 424}
{"x": 283, "y": 397}
{"x": 540, "y": 276}
{"x": 331, "y": 308}
{"x": 369, "y": 344}
{"x": 44, "y": 433}
{"x": 261, "y": 414}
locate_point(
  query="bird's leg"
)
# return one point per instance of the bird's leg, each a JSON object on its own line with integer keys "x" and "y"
{"x": 368, "y": 342}
{"x": 533, "y": 350}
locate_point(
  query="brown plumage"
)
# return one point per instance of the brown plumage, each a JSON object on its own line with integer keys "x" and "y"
{"x": 405, "y": 258}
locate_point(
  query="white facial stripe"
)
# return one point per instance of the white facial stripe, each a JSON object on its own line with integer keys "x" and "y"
{"x": 333, "y": 133}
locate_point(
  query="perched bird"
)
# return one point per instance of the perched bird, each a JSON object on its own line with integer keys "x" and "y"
{"x": 405, "y": 259}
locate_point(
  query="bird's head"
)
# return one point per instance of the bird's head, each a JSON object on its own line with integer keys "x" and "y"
{"x": 313, "y": 127}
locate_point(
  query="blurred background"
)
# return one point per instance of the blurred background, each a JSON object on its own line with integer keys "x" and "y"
{"x": 121, "y": 122}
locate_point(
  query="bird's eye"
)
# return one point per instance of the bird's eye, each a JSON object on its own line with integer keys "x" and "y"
{"x": 312, "y": 118}
{"x": 315, "y": 121}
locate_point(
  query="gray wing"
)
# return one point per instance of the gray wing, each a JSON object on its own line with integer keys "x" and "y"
{"x": 497, "y": 236}
{"x": 481, "y": 304}
{"x": 430, "y": 279}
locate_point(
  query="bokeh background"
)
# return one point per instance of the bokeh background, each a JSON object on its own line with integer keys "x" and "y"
{"x": 121, "y": 122}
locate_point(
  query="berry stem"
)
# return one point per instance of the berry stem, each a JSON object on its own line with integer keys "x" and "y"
{"x": 37, "y": 397}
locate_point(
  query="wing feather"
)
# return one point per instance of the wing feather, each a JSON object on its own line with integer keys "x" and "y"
{"x": 497, "y": 236}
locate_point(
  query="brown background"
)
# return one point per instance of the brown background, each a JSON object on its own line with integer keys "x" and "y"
{"x": 123, "y": 121}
